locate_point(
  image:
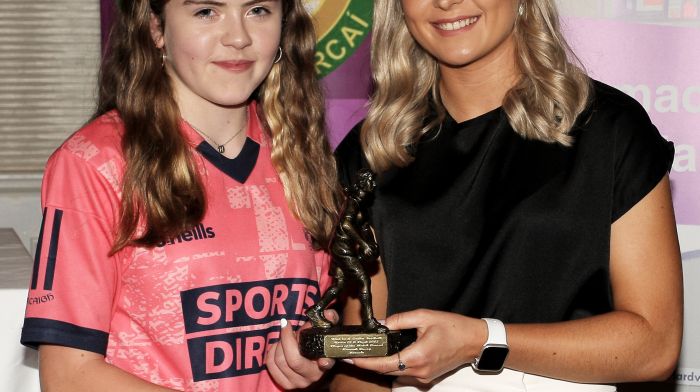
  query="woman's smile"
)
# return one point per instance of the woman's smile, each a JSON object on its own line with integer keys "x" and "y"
{"x": 449, "y": 27}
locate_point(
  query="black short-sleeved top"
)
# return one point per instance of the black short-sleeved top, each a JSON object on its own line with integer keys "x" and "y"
{"x": 488, "y": 224}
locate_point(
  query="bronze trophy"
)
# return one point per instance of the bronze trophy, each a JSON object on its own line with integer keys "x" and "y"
{"x": 352, "y": 248}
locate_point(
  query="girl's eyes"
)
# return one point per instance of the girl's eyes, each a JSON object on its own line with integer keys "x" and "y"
{"x": 258, "y": 11}
{"x": 206, "y": 13}
{"x": 210, "y": 13}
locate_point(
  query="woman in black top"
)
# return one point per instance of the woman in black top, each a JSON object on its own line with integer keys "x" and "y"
{"x": 512, "y": 187}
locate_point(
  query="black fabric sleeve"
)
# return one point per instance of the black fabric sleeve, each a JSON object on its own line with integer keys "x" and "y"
{"x": 642, "y": 157}
{"x": 349, "y": 157}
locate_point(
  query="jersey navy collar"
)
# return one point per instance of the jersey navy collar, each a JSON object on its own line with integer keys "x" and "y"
{"x": 238, "y": 168}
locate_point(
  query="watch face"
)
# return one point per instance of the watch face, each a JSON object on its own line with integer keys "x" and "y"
{"x": 492, "y": 358}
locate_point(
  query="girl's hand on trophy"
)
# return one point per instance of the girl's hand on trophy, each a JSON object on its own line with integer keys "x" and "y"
{"x": 445, "y": 342}
{"x": 287, "y": 367}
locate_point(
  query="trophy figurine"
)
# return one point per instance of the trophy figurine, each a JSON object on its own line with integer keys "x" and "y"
{"x": 352, "y": 247}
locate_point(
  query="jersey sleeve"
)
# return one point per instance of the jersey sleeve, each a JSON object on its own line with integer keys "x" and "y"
{"x": 74, "y": 279}
{"x": 642, "y": 158}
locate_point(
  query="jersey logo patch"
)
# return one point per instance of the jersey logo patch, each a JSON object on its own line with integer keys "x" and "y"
{"x": 222, "y": 323}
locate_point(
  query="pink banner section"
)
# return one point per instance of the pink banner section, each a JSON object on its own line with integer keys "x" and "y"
{"x": 347, "y": 89}
{"x": 657, "y": 65}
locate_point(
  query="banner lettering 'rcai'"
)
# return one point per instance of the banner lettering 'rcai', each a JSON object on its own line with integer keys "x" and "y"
{"x": 341, "y": 27}
{"x": 342, "y": 59}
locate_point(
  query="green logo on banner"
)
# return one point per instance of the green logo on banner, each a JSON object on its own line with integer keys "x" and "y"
{"x": 341, "y": 26}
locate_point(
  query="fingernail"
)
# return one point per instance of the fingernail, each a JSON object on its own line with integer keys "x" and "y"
{"x": 324, "y": 363}
{"x": 382, "y": 321}
{"x": 301, "y": 323}
{"x": 283, "y": 323}
{"x": 348, "y": 360}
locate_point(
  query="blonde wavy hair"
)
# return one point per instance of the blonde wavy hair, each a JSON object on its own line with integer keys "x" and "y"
{"x": 162, "y": 193}
{"x": 543, "y": 105}
{"x": 293, "y": 108}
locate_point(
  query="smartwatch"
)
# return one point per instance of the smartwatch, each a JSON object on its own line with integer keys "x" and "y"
{"x": 495, "y": 351}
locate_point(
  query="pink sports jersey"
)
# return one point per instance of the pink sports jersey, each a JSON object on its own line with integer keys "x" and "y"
{"x": 197, "y": 312}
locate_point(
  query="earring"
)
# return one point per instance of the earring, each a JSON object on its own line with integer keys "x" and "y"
{"x": 163, "y": 57}
{"x": 279, "y": 55}
{"x": 521, "y": 8}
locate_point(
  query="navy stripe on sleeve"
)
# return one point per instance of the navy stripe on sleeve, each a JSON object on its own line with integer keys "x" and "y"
{"x": 53, "y": 250}
{"x": 37, "y": 255}
{"x": 38, "y": 331}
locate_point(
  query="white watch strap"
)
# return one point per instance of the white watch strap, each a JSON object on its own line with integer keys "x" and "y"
{"x": 497, "y": 331}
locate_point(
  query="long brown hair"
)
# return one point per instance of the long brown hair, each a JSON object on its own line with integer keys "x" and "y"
{"x": 543, "y": 105}
{"x": 293, "y": 109}
{"x": 162, "y": 194}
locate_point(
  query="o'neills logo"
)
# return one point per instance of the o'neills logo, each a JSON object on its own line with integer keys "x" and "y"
{"x": 341, "y": 26}
{"x": 196, "y": 233}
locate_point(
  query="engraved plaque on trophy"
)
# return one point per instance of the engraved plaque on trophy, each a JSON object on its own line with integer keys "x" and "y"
{"x": 353, "y": 247}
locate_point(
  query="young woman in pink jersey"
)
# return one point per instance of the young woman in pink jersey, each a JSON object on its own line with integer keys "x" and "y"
{"x": 182, "y": 225}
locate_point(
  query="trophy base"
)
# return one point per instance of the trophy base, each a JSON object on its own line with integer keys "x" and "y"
{"x": 352, "y": 341}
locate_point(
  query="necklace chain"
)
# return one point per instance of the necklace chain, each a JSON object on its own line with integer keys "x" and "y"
{"x": 221, "y": 148}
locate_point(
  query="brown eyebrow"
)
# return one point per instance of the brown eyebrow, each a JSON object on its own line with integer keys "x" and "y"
{"x": 253, "y": 2}
{"x": 204, "y": 2}
{"x": 220, "y": 4}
